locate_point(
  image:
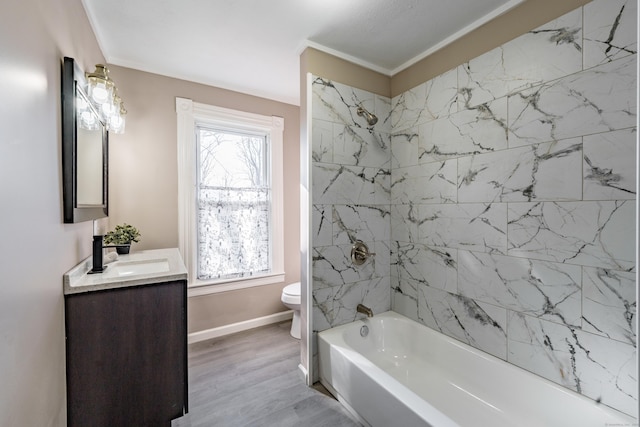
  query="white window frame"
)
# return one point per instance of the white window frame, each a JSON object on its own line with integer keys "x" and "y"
{"x": 189, "y": 114}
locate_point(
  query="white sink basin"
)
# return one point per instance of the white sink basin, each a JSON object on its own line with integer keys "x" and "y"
{"x": 138, "y": 268}
{"x": 135, "y": 268}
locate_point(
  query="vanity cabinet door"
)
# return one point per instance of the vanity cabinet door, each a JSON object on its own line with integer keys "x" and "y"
{"x": 127, "y": 356}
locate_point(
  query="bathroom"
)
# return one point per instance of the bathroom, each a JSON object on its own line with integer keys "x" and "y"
{"x": 36, "y": 35}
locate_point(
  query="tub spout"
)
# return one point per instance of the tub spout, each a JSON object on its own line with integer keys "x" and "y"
{"x": 365, "y": 310}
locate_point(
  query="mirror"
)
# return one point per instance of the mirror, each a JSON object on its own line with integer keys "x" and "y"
{"x": 84, "y": 151}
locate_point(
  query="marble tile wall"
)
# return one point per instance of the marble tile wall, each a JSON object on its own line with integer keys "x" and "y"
{"x": 351, "y": 200}
{"x": 512, "y": 188}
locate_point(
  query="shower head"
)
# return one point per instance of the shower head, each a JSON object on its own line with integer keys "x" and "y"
{"x": 369, "y": 117}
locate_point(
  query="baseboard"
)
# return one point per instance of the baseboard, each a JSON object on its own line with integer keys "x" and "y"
{"x": 221, "y": 331}
{"x": 304, "y": 375}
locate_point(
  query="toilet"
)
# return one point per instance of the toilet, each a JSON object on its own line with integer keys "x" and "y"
{"x": 291, "y": 299}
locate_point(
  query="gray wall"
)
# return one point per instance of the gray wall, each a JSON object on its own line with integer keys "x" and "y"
{"x": 144, "y": 183}
{"x": 37, "y": 248}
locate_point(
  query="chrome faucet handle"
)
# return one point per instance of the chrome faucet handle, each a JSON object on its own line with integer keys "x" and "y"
{"x": 360, "y": 253}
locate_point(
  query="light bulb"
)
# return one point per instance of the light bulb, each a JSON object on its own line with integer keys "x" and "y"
{"x": 87, "y": 117}
{"x": 100, "y": 92}
{"x": 81, "y": 104}
{"x": 107, "y": 108}
{"x": 116, "y": 123}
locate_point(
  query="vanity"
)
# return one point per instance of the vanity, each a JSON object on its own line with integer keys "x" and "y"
{"x": 126, "y": 341}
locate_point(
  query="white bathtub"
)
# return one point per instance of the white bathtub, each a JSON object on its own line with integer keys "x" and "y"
{"x": 405, "y": 374}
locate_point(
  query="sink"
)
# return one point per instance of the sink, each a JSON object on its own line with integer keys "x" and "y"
{"x": 135, "y": 268}
{"x": 139, "y": 268}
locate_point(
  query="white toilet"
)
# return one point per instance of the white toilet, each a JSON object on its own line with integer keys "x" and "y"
{"x": 291, "y": 298}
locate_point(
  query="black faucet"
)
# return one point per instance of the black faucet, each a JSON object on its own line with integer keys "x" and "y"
{"x": 97, "y": 255}
{"x": 98, "y": 246}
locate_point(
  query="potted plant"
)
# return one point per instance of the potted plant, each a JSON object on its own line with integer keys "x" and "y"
{"x": 121, "y": 237}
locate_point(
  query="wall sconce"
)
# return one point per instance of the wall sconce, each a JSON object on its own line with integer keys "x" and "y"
{"x": 103, "y": 93}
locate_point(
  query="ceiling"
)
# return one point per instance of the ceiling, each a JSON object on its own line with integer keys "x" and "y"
{"x": 253, "y": 46}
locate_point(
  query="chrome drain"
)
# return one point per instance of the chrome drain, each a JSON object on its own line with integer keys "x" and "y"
{"x": 364, "y": 331}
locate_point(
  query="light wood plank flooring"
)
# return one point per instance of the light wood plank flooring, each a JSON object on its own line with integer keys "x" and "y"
{"x": 252, "y": 379}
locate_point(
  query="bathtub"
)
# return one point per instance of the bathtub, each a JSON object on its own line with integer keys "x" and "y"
{"x": 405, "y": 374}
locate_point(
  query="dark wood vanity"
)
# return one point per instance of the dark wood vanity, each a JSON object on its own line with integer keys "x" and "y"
{"x": 127, "y": 354}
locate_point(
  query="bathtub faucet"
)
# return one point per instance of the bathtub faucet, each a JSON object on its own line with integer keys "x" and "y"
{"x": 365, "y": 310}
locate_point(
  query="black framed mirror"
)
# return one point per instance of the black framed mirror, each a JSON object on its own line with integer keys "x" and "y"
{"x": 85, "y": 151}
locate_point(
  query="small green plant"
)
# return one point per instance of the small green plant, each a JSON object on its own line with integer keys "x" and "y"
{"x": 123, "y": 234}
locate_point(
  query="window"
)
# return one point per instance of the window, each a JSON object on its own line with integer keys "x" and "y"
{"x": 230, "y": 197}
{"x": 233, "y": 192}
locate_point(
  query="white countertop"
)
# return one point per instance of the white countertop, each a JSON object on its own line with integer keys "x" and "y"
{"x": 135, "y": 269}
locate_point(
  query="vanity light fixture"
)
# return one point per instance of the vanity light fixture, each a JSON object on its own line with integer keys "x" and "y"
{"x": 100, "y": 86}
{"x": 116, "y": 122}
{"x": 103, "y": 94}
{"x": 86, "y": 115}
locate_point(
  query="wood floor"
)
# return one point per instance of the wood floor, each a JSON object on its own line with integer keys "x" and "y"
{"x": 252, "y": 379}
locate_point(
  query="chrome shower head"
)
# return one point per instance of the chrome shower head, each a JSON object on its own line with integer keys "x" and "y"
{"x": 369, "y": 117}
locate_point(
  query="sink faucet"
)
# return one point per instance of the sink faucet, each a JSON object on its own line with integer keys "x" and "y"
{"x": 365, "y": 310}
{"x": 98, "y": 246}
{"x": 97, "y": 255}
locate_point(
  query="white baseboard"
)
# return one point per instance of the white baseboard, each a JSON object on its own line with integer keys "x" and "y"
{"x": 221, "y": 331}
{"x": 304, "y": 375}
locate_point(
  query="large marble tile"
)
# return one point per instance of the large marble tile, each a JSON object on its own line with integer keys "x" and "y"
{"x": 339, "y": 184}
{"x": 523, "y": 174}
{"x": 432, "y": 266}
{"x": 338, "y": 103}
{"x": 406, "y": 108}
{"x": 405, "y": 221}
{"x": 480, "y": 325}
{"x": 404, "y": 148}
{"x": 382, "y": 109}
{"x": 600, "y": 99}
{"x": 441, "y": 94}
{"x": 428, "y": 101}
{"x": 336, "y": 305}
{"x": 542, "y": 289}
{"x": 322, "y": 141}
{"x": 597, "y": 234}
{"x": 474, "y": 131}
{"x": 403, "y": 184}
{"x": 332, "y": 265}
{"x": 361, "y": 222}
{"x": 610, "y": 30}
{"x": 322, "y": 220}
{"x": 473, "y": 226}
{"x": 610, "y": 165}
{"x": 427, "y": 183}
{"x": 353, "y": 145}
{"x": 609, "y": 303}
{"x": 549, "y": 52}
{"x": 404, "y": 297}
{"x": 600, "y": 368}
{"x": 380, "y": 257}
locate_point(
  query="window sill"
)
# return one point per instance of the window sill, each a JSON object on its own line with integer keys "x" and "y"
{"x": 201, "y": 287}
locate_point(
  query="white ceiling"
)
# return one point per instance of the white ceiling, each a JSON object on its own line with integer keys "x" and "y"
{"x": 253, "y": 46}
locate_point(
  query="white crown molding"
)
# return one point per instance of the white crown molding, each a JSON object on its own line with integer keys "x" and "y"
{"x": 391, "y": 72}
{"x": 463, "y": 32}
{"x": 346, "y": 57}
